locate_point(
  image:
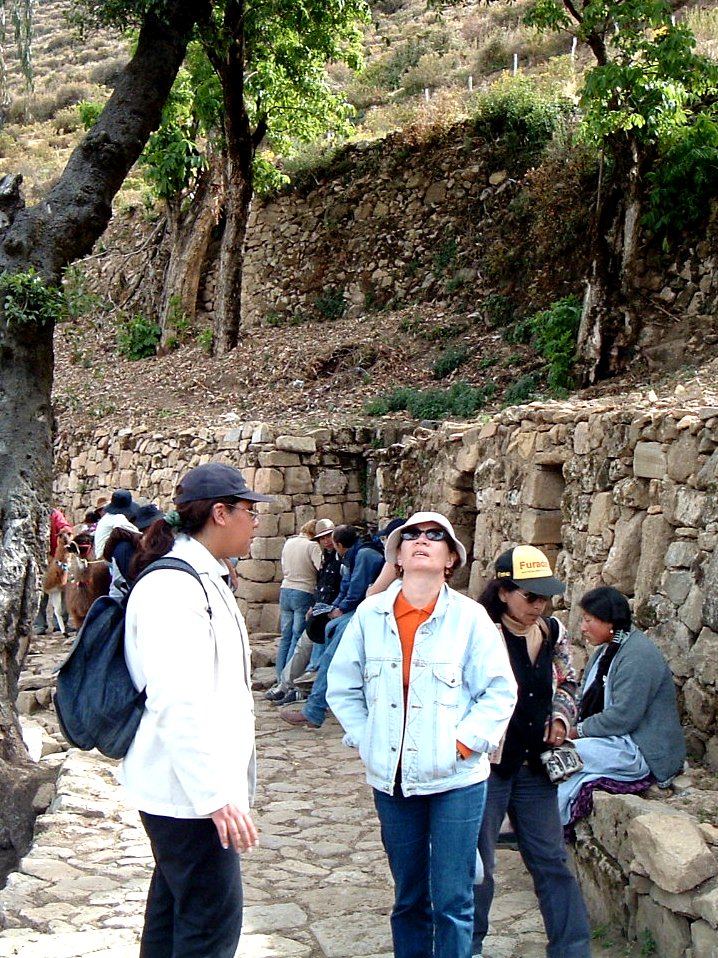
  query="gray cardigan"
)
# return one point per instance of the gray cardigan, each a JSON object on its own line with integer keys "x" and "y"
{"x": 641, "y": 702}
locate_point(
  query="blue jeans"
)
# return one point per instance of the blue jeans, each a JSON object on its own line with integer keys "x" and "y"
{"x": 430, "y": 841}
{"x": 532, "y": 806}
{"x": 315, "y": 708}
{"x": 293, "y": 607}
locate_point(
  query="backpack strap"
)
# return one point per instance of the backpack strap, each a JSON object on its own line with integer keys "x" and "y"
{"x": 179, "y": 565}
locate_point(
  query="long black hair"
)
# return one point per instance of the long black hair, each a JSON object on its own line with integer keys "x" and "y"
{"x": 491, "y": 600}
{"x": 608, "y": 605}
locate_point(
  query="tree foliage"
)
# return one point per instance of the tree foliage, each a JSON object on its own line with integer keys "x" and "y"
{"x": 27, "y": 298}
{"x": 286, "y": 92}
{"x": 651, "y": 95}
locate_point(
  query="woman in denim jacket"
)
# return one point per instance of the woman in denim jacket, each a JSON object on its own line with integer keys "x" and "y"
{"x": 422, "y": 685}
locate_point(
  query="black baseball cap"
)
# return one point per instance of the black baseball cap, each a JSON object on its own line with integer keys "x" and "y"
{"x": 389, "y": 527}
{"x": 146, "y": 515}
{"x": 215, "y": 480}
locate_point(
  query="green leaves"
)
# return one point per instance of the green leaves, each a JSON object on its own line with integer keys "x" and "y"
{"x": 650, "y": 102}
{"x": 653, "y": 83}
{"x": 286, "y": 46}
{"x": 173, "y": 157}
{"x": 684, "y": 176}
{"x": 26, "y": 298}
{"x": 554, "y": 334}
{"x": 138, "y": 337}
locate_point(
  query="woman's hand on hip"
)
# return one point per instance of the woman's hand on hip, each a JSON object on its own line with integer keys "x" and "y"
{"x": 235, "y": 828}
{"x": 556, "y": 733}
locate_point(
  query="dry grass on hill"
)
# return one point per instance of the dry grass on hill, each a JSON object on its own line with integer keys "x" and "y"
{"x": 309, "y": 375}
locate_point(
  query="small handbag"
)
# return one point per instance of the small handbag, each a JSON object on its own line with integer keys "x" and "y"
{"x": 561, "y": 762}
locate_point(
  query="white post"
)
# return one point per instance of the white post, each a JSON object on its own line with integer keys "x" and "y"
{"x": 471, "y": 84}
{"x": 516, "y": 64}
{"x": 427, "y": 95}
{"x": 574, "y": 44}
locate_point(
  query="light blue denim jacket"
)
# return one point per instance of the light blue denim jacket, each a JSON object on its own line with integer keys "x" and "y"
{"x": 461, "y": 688}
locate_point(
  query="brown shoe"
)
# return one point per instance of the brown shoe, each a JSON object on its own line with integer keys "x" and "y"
{"x": 297, "y": 718}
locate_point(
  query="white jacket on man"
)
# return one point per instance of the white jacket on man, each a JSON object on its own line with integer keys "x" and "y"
{"x": 194, "y": 748}
{"x": 461, "y": 688}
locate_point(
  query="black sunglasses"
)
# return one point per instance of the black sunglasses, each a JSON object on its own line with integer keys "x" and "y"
{"x": 532, "y": 597}
{"x": 433, "y": 535}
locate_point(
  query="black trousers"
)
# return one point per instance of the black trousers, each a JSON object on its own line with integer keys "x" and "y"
{"x": 194, "y": 904}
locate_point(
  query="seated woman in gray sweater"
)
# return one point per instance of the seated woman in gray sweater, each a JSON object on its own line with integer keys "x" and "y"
{"x": 628, "y": 724}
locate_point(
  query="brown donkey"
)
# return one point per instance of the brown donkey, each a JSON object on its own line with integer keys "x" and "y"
{"x": 87, "y": 580}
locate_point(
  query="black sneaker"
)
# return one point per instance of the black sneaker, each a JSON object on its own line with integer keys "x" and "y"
{"x": 276, "y": 694}
{"x": 293, "y": 695}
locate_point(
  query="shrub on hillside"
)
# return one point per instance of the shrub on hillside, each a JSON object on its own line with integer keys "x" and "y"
{"x": 448, "y": 361}
{"x": 461, "y": 401}
{"x": 519, "y": 118}
{"x": 107, "y": 72}
{"x": 138, "y": 337}
{"x": 69, "y": 94}
{"x": 554, "y": 334}
{"x": 432, "y": 71}
{"x": 67, "y": 120}
{"x": 59, "y": 41}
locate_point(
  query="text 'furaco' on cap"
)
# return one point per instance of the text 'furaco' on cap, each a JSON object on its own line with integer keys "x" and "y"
{"x": 528, "y": 568}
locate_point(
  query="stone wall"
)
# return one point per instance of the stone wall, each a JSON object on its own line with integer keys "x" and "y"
{"x": 616, "y": 493}
{"x": 624, "y": 493}
{"x": 647, "y": 868}
{"x": 318, "y": 475}
{"x": 444, "y": 221}
{"x": 397, "y": 222}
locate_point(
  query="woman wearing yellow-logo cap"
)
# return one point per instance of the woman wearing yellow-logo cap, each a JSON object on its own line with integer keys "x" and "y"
{"x": 519, "y": 784}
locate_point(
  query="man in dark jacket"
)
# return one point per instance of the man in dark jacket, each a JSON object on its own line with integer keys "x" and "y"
{"x": 362, "y": 561}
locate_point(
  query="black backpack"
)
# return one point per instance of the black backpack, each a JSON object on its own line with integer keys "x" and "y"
{"x": 96, "y": 701}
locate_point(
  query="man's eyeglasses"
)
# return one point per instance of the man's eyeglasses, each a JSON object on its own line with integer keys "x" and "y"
{"x": 433, "y": 535}
{"x": 532, "y": 597}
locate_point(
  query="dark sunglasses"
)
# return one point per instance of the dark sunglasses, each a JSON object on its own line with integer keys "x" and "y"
{"x": 433, "y": 535}
{"x": 532, "y": 597}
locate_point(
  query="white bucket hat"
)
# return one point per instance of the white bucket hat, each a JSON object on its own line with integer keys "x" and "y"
{"x": 393, "y": 539}
{"x": 323, "y": 528}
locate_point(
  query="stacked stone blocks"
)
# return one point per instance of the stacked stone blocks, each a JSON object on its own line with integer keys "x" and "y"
{"x": 616, "y": 492}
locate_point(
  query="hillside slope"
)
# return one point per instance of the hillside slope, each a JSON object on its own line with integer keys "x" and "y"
{"x": 307, "y": 376}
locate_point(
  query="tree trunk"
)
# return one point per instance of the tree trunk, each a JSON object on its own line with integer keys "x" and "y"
{"x": 609, "y": 325}
{"x": 189, "y": 239}
{"x": 48, "y": 237}
{"x": 228, "y": 305}
{"x": 25, "y": 485}
{"x": 239, "y": 158}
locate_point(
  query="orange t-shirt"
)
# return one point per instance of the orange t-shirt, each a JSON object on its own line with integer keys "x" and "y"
{"x": 408, "y": 619}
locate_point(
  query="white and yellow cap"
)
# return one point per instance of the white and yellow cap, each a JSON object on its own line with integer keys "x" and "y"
{"x": 528, "y": 568}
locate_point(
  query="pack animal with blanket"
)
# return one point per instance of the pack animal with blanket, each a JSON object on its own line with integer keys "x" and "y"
{"x": 96, "y": 701}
